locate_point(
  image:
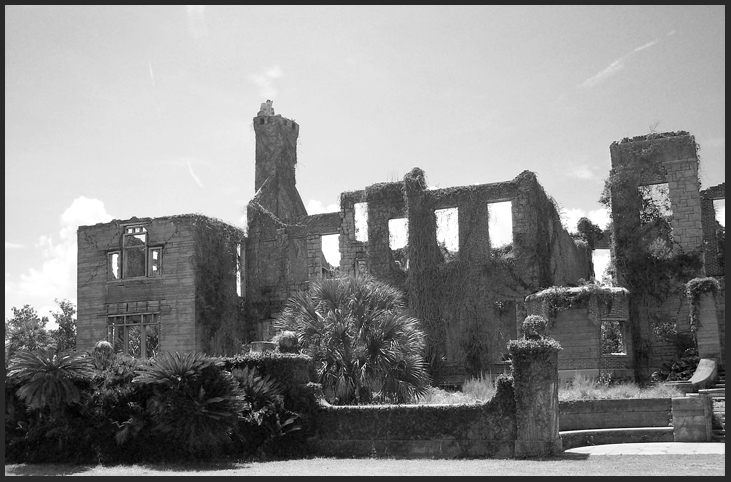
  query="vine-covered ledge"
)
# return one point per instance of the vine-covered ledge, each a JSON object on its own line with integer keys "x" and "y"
{"x": 693, "y": 291}
{"x": 558, "y": 298}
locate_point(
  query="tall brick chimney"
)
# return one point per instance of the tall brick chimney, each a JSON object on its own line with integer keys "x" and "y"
{"x": 276, "y": 158}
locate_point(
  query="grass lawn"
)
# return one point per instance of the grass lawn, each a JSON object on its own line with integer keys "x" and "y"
{"x": 565, "y": 464}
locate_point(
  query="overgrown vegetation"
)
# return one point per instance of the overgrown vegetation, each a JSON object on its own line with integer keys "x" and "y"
{"x": 648, "y": 261}
{"x": 365, "y": 345}
{"x": 107, "y": 408}
{"x": 477, "y": 390}
{"x": 218, "y": 252}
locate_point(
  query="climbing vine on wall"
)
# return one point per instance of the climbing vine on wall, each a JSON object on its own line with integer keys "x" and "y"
{"x": 647, "y": 261}
{"x": 462, "y": 294}
{"x": 558, "y": 298}
{"x": 693, "y": 290}
{"x": 218, "y": 306}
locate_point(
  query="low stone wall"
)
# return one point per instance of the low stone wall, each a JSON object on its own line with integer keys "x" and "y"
{"x": 415, "y": 431}
{"x": 680, "y": 419}
{"x": 627, "y": 413}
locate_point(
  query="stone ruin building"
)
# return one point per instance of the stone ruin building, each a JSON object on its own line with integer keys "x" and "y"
{"x": 191, "y": 282}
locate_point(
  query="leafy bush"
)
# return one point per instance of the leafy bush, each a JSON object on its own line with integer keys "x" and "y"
{"x": 267, "y": 420}
{"x": 50, "y": 387}
{"x": 47, "y": 377}
{"x": 680, "y": 369}
{"x": 367, "y": 348}
{"x": 195, "y": 403}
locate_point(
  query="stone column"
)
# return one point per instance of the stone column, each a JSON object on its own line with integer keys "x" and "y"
{"x": 709, "y": 339}
{"x": 535, "y": 375}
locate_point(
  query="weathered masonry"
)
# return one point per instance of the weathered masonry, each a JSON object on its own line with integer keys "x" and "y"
{"x": 171, "y": 283}
{"x": 673, "y": 240}
{"x": 470, "y": 298}
{"x": 191, "y": 282}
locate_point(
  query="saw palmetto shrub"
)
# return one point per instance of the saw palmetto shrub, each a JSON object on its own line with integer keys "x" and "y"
{"x": 195, "y": 404}
{"x": 365, "y": 345}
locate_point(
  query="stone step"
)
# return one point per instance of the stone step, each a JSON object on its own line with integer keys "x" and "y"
{"x": 603, "y": 436}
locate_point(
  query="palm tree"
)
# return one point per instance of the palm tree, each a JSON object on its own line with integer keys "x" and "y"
{"x": 359, "y": 331}
{"x": 47, "y": 377}
{"x": 195, "y": 403}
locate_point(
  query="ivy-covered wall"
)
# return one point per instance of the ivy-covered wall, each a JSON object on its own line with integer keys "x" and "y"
{"x": 654, "y": 258}
{"x": 575, "y": 316}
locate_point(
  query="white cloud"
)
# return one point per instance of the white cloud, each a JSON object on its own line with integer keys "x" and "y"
{"x": 9, "y": 245}
{"x": 196, "y": 20}
{"x": 57, "y": 256}
{"x": 582, "y": 172}
{"x": 264, "y": 80}
{"x": 614, "y": 68}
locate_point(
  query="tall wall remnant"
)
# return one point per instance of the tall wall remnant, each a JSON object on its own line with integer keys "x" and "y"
{"x": 656, "y": 249}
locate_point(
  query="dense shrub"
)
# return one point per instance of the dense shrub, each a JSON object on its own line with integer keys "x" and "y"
{"x": 366, "y": 346}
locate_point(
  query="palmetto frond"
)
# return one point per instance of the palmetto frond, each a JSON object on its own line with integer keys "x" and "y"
{"x": 47, "y": 377}
{"x": 358, "y": 330}
{"x": 174, "y": 369}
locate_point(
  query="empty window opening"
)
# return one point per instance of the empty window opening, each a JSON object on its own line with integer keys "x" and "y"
{"x": 136, "y": 335}
{"x": 398, "y": 238}
{"x": 155, "y": 264}
{"x": 239, "y": 263}
{"x": 601, "y": 259}
{"x": 719, "y": 207}
{"x": 137, "y": 259}
{"x": 655, "y": 203}
{"x": 134, "y": 256}
{"x": 500, "y": 224}
{"x": 613, "y": 337}
{"x": 361, "y": 221}
{"x": 398, "y": 233}
{"x": 656, "y": 216}
{"x": 114, "y": 268}
{"x": 331, "y": 250}
{"x": 448, "y": 229}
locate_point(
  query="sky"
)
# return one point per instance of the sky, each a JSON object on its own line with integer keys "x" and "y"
{"x": 114, "y": 112}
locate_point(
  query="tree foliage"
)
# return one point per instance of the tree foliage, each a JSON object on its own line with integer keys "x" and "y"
{"x": 359, "y": 332}
{"x": 26, "y": 331}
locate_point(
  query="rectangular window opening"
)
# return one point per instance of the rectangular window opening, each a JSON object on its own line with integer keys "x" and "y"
{"x": 114, "y": 267}
{"x": 613, "y": 337}
{"x": 136, "y": 335}
{"x": 330, "y": 249}
{"x": 601, "y": 258}
{"x": 398, "y": 238}
{"x": 155, "y": 266}
{"x": 656, "y": 216}
{"x": 500, "y": 224}
{"x": 361, "y": 221}
{"x": 719, "y": 207}
{"x": 134, "y": 252}
{"x": 448, "y": 231}
{"x": 239, "y": 263}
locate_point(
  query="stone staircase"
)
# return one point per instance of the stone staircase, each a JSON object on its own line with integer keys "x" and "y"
{"x": 718, "y": 395}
